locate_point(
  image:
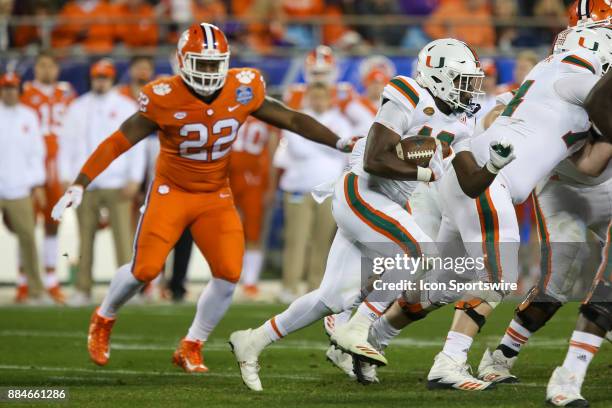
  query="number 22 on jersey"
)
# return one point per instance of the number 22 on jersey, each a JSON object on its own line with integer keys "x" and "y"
{"x": 210, "y": 144}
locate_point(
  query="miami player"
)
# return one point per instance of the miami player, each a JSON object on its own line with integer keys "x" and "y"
{"x": 547, "y": 121}
{"x": 197, "y": 114}
{"x": 369, "y": 200}
{"x": 249, "y": 174}
{"x": 49, "y": 98}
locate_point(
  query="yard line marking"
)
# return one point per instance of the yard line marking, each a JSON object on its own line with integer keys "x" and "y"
{"x": 103, "y": 371}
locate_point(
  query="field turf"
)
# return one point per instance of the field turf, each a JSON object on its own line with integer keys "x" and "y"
{"x": 46, "y": 347}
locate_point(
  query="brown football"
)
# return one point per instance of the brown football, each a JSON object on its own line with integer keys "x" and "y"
{"x": 420, "y": 149}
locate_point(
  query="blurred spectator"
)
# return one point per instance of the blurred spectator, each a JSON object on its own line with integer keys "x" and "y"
{"x": 211, "y": 11}
{"x": 22, "y": 175}
{"x": 33, "y": 34}
{"x": 551, "y": 9}
{"x": 418, "y": 7}
{"x": 309, "y": 227}
{"x": 6, "y": 9}
{"x": 489, "y": 87}
{"x": 141, "y": 72}
{"x": 468, "y": 20}
{"x": 525, "y": 61}
{"x": 90, "y": 119}
{"x": 504, "y": 9}
{"x": 143, "y": 31}
{"x": 89, "y": 22}
{"x": 380, "y": 34}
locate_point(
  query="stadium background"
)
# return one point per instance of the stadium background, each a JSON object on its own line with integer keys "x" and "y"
{"x": 271, "y": 35}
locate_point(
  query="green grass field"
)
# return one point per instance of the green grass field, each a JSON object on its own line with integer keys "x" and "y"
{"x": 42, "y": 347}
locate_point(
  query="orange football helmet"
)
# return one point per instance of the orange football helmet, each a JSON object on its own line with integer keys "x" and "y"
{"x": 9, "y": 79}
{"x": 590, "y": 12}
{"x": 203, "y": 58}
{"x": 320, "y": 66}
{"x": 376, "y": 68}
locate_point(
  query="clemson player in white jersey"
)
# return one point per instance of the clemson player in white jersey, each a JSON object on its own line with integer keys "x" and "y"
{"x": 49, "y": 98}
{"x": 249, "y": 175}
{"x": 196, "y": 115}
{"x": 547, "y": 121}
{"x": 369, "y": 200}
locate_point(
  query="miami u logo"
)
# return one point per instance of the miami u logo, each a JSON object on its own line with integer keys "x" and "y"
{"x": 594, "y": 48}
{"x": 428, "y": 62}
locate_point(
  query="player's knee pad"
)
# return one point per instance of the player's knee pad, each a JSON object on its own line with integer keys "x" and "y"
{"x": 598, "y": 309}
{"x": 469, "y": 306}
{"x": 413, "y": 311}
{"x": 537, "y": 309}
{"x": 146, "y": 272}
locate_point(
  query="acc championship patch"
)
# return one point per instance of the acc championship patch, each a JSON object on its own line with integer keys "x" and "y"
{"x": 244, "y": 94}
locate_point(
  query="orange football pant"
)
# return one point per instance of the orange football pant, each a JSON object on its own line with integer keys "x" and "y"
{"x": 212, "y": 218}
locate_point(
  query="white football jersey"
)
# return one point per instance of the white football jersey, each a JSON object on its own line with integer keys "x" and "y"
{"x": 409, "y": 109}
{"x": 544, "y": 121}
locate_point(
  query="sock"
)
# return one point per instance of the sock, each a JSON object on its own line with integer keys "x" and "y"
{"x": 372, "y": 310}
{"x": 253, "y": 260}
{"x": 123, "y": 286}
{"x": 340, "y": 319}
{"x": 457, "y": 346}
{"x": 212, "y": 305}
{"x": 516, "y": 336}
{"x": 50, "y": 248}
{"x": 302, "y": 312}
{"x": 381, "y": 333}
{"x": 582, "y": 349}
{"x": 22, "y": 279}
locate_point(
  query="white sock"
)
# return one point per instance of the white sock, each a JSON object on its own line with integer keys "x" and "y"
{"x": 381, "y": 333}
{"x": 50, "y": 251}
{"x": 516, "y": 336}
{"x": 457, "y": 346}
{"x": 212, "y": 305}
{"x": 123, "y": 286}
{"x": 582, "y": 349}
{"x": 302, "y": 312}
{"x": 372, "y": 310}
{"x": 340, "y": 319}
{"x": 251, "y": 266}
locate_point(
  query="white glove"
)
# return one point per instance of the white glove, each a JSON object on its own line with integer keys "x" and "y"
{"x": 500, "y": 155}
{"x": 71, "y": 198}
{"x": 346, "y": 144}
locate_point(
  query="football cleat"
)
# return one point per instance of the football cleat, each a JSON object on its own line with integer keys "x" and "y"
{"x": 353, "y": 338}
{"x": 364, "y": 371}
{"x": 22, "y": 294}
{"x": 329, "y": 323}
{"x": 98, "y": 338}
{"x": 250, "y": 291}
{"x": 495, "y": 367}
{"x": 188, "y": 356}
{"x": 563, "y": 389}
{"x": 446, "y": 373}
{"x": 246, "y": 356}
{"x": 340, "y": 359}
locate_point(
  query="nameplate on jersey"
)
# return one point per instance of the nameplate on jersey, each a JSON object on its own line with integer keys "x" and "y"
{"x": 244, "y": 94}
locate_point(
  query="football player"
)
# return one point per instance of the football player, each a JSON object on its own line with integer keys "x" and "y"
{"x": 548, "y": 121}
{"x": 369, "y": 200}
{"x": 197, "y": 115}
{"x": 566, "y": 206}
{"x": 249, "y": 175}
{"x": 49, "y": 98}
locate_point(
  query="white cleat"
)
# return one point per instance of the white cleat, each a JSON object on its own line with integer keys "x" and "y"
{"x": 246, "y": 356}
{"x": 353, "y": 338}
{"x": 563, "y": 389}
{"x": 329, "y": 323}
{"x": 365, "y": 372}
{"x": 340, "y": 359}
{"x": 495, "y": 367}
{"x": 447, "y": 373}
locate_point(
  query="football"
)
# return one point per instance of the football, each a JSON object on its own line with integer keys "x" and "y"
{"x": 420, "y": 149}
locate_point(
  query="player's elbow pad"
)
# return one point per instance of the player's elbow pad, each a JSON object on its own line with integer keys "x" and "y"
{"x": 111, "y": 148}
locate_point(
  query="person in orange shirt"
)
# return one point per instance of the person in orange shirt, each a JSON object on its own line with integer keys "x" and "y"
{"x": 468, "y": 21}
{"x": 49, "y": 98}
{"x": 142, "y": 31}
{"x": 96, "y": 36}
{"x": 249, "y": 174}
{"x": 208, "y": 10}
{"x": 197, "y": 115}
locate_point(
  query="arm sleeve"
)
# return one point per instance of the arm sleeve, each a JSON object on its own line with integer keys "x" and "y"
{"x": 574, "y": 88}
{"x": 138, "y": 163}
{"x": 111, "y": 148}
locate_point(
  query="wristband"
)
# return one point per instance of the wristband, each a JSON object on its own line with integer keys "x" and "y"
{"x": 491, "y": 168}
{"x": 424, "y": 174}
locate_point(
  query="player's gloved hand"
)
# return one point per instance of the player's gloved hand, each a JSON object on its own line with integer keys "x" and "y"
{"x": 436, "y": 166}
{"x": 500, "y": 155}
{"x": 71, "y": 198}
{"x": 346, "y": 144}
